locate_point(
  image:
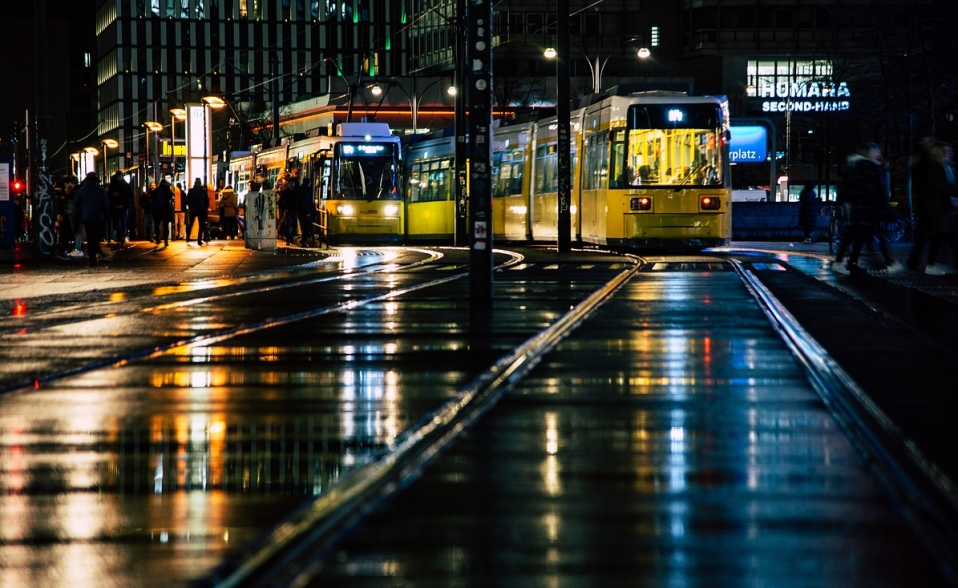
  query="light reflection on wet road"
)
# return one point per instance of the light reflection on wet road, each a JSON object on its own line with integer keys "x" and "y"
{"x": 673, "y": 436}
{"x": 148, "y": 471}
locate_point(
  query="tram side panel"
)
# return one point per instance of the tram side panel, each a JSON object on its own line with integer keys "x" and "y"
{"x": 510, "y": 182}
{"x": 430, "y": 191}
{"x": 543, "y": 213}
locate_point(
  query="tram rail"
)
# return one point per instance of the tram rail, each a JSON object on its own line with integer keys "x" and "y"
{"x": 292, "y": 552}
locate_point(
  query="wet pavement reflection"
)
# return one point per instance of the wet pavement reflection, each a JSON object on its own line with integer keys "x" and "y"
{"x": 148, "y": 470}
{"x": 672, "y": 440}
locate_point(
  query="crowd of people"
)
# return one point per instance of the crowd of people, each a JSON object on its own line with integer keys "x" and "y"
{"x": 93, "y": 213}
{"x": 864, "y": 196}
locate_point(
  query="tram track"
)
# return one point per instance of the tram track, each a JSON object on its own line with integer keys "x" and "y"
{"x": 402, "y": 459}
{"x": 55, "y": 324}
{"x": 291, "y": 554}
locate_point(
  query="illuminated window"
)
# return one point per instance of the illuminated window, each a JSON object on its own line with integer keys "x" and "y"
{"x": 655, "y": 36}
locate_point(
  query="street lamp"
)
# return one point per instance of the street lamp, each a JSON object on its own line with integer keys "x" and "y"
{"x": 597, "y": 68}
{"x": 156, "y": 128}
{"x": 107, "y": 144}
{"x": 177, "y": 114}
{"x": 89, "y": 159}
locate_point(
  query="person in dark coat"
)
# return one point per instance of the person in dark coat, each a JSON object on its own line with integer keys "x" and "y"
{"x": 121, "y": 199}
{"x": 923, "y": 167}
{"x": 306, "y": 211}
{"x": 864, "y": 194}
{"x": 808, "y": 210}
{"x": 93, "y": 206}
{"x": 163, "y": 211}
{"x": 937, "y": 208}
{"x": 197, "y": 206}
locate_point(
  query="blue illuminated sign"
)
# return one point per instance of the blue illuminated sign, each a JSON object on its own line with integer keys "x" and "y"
{"x": 749, "y": 144}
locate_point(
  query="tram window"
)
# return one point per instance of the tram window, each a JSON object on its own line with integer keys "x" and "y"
{"x": 620, "y": 173}
{"x": 507, "y": 173}
{"x": 547, "y": 176}
{"x": 596, "y": 162}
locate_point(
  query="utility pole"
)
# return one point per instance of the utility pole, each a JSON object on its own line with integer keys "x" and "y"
{"x": 479, "y": 40}
{"x": 563, "y": 114}
{"x": 39, "y": 184}
{"x": 461, "y": 221}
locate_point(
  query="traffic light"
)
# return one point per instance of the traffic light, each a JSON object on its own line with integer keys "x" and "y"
{"x": 15, "y": 132}
{"x": 16, "y": 186}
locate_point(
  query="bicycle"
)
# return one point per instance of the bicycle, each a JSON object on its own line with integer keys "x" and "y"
{"x": 836, "y": 225}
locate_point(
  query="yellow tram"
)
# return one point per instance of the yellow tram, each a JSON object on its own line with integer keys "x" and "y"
{"x": 355, "y": 176}
{"x": 648, "y": 170}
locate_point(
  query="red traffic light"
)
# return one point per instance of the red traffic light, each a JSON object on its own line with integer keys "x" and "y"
{"x": 17, "y": 185}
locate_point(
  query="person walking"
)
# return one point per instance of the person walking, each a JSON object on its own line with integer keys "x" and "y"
{"x": 306, "y": 211}
{"x": 864, "y": 193}
{"x": 163, "y": 211}
{"x": 197, "y": 205}
{"x": 121, "y": 199}
{"x": 70, "y": 191}
{"x": 229, "y": 207}
{"x": 940, "y": 187}
{"x": 180, "y": 214}
{"x": 146, "y": 205}
{"x": 922, "y": 168}
{"x": 808, "y": 210}
{"x": 285, "y": 189}
{"x": 94, "y": 208}
{"x": 65, "y": 216}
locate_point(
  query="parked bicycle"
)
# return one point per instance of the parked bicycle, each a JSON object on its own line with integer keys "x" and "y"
{"x": 836, "y": 225}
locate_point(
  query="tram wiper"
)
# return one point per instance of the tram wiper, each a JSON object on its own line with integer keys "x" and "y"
{"x": 362, "y": 180}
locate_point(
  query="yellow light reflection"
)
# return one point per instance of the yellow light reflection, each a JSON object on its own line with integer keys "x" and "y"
{"x": 550, "y": 468}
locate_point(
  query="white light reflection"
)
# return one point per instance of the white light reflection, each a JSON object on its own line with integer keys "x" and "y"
{"x": 550, "y": 468}
{"x": 677, "y": 462}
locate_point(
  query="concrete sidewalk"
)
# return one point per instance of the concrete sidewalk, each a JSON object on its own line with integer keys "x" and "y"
{"x": 138, "y": 263}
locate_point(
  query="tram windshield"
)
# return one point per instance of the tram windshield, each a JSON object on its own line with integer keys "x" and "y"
{"x": 669, "y": 145}
{"x": 367, "y": 171}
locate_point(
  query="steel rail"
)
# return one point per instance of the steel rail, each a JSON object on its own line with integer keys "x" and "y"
{"x": 928, "y": 498}
{"x": 236, "y": 330}
{"x": 290, "y": 553}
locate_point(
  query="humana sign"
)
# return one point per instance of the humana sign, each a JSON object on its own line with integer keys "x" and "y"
{"x": 804, "y": 96}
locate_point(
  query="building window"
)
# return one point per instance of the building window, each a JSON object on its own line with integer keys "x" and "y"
{"x": 655, "y": 37}
{"x": 87, "y": 59}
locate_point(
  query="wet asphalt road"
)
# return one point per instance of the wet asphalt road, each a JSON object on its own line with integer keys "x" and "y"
{"x": 219, "y": 407}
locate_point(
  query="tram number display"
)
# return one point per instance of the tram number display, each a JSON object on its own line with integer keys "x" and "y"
{"x": 363, "y": 149}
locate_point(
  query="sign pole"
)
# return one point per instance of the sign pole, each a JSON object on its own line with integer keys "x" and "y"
{"x": 564, "y": 219}
{"x": 479, "y": 78}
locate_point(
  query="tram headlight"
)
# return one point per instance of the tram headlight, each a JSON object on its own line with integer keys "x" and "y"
{"x": 391, "y": 210}
{"x": 640, "y": 203}
{"x": 345, "y": 210}
{"x": 710, "y": 202}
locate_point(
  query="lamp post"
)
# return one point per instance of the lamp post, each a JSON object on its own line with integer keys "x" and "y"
{"x": 89, "y": 156}
{"x": 177, "y": 114}
{"x": 597, "y": 68}
{"x": 156, "y": 128}
{"x": 107, "y": 144}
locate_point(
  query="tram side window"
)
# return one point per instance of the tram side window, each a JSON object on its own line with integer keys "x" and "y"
{"x": 414, "y": 182}
{"x": 507, "y": 173}
{"x": 440, "y": 181}
{"x": 596, "y": 170}
{"x": 620, "y": 174}
{"x": 547, "y": 174}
